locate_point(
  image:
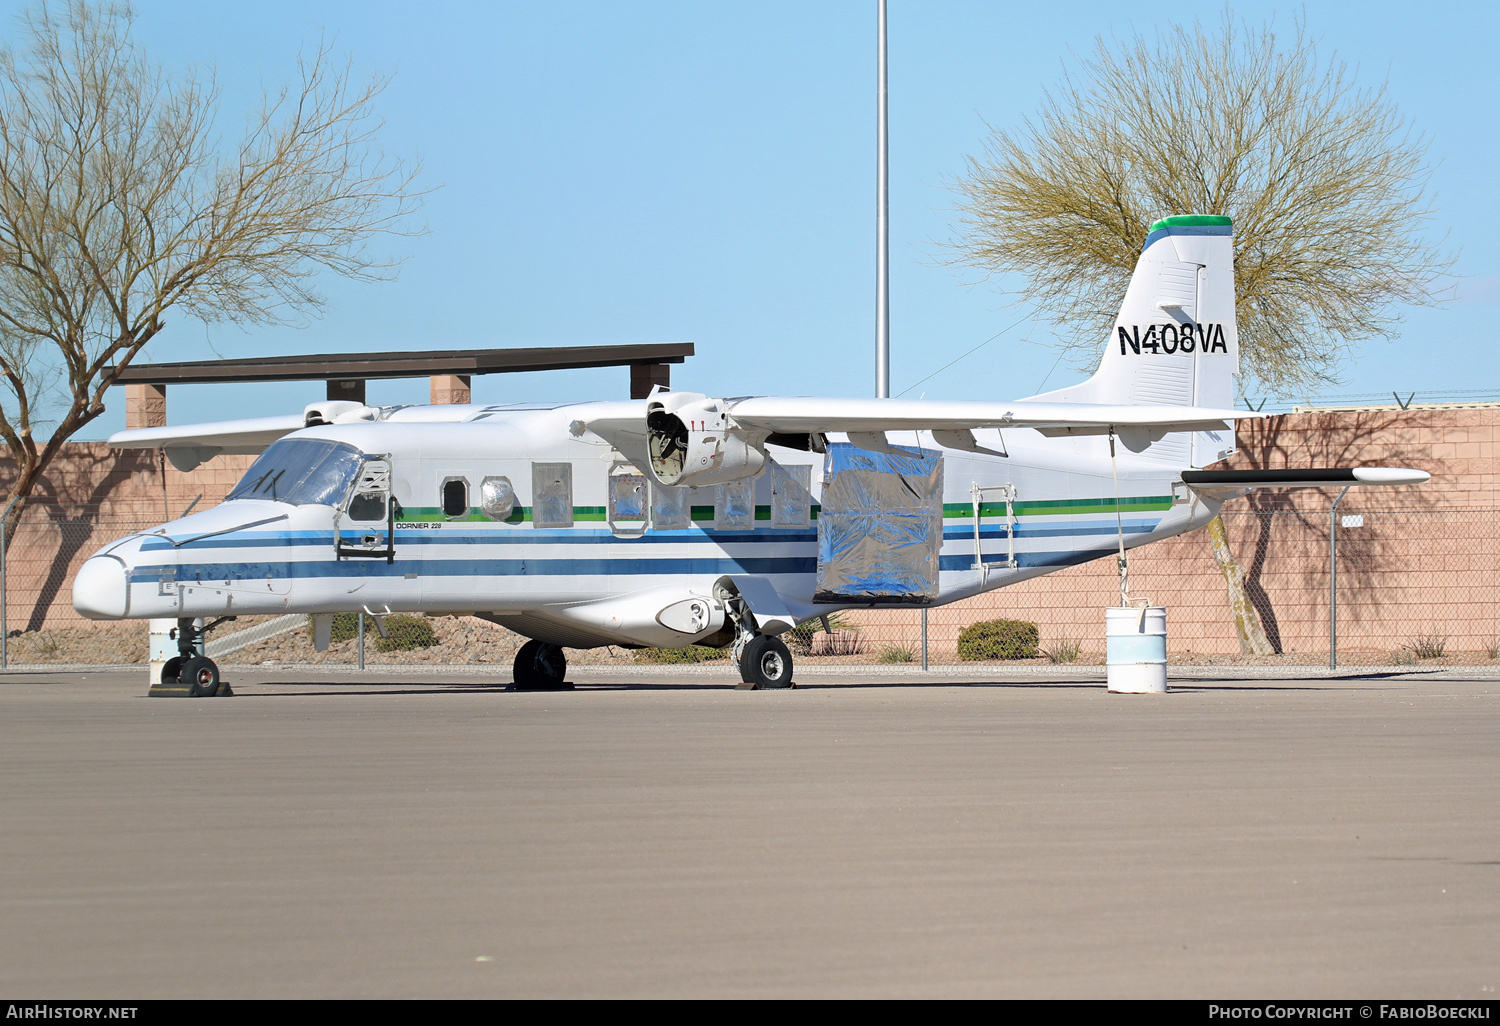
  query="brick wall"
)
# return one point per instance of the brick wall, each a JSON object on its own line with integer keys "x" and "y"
{"x": 1422, "y": 566}
{"x": 91, "y": 495}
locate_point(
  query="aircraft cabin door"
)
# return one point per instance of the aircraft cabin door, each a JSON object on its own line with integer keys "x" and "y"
{"x": 366, "y": 526}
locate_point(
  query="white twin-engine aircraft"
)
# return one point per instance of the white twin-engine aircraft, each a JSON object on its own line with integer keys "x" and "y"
{"x": 682, "y": 519}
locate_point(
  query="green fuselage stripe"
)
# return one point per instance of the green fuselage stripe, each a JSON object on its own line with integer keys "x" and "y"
{"x": 951, "y": 510}
{"x": 1055, "y": 507}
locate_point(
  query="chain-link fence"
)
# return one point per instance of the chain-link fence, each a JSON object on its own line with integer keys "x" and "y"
{"x": 1413, "y": 587}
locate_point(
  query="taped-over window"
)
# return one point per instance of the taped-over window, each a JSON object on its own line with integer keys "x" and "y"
{"x": 497, "y": 499}
{"x": 670, "y": 508}
{"x": 735, "y": 510}
{"x": 791, "y": 496}
{"x": 627, "y": 498}
{"x": 880, "y": 526}
{"x": 552, "y": 494}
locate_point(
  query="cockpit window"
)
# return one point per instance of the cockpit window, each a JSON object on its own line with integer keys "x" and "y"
{"x": 302, "y": 472}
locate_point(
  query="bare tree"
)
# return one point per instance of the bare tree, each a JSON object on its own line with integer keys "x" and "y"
{"x": 1324, "y": 179}
{"x": 118, "y": 203}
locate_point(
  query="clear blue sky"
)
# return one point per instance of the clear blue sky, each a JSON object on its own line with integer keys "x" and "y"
{"x": 698, "y": 171}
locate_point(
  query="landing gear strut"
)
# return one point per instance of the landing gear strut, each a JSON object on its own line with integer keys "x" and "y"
{"x": 541, "y": 666}
{"x": 191, "y": 674}
{"x": 764, "y": 660}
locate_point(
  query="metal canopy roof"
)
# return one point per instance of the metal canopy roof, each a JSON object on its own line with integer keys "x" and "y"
{"x": 334, "y": 366}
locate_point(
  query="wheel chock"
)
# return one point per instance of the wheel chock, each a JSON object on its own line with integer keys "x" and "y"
{"x": 177, "y": 689}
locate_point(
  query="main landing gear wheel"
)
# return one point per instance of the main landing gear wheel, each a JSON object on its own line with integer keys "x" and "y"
{"x": 540, "y": 666}
{"x": 201, "y": 677}
{"x": 766, "y": 663}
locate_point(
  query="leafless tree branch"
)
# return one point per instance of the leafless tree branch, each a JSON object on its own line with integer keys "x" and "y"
{"x": 118, "y": 204}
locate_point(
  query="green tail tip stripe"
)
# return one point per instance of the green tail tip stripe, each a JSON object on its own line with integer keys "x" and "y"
{"x": 1193, "y": 221}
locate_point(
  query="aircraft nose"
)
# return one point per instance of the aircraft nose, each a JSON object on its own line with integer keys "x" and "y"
{"x": 100, "y": 591}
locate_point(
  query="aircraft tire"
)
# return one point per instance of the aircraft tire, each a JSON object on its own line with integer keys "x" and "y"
{"x": 171, "y": 671}
{"x": 767, "y": 663}
{"x": 540, "y": 666}
{"x": 201, "y": 676}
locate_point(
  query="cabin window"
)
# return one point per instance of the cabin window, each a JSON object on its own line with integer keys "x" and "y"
{"x": 367, "y": 507}
{"x": 735, "y": 510}
{"x": 497, "y": 499}
{"x": 371, "y": 492}
{"x": 670, "y": 508}
{"x": 455, "y": 498}
{"x": 791, "y": 496}
{"x": 552, "y": 494}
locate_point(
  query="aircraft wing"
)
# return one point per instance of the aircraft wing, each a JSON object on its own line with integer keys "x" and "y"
{"x": 622, "y": 423}
{"x": 778, "y": 414}
{"x": 188, "y": 445}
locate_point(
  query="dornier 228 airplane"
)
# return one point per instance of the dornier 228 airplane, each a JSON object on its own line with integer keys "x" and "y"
{"x": 685, "y": 519}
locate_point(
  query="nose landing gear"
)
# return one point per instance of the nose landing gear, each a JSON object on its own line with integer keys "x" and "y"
{"x": 191, "y": 674}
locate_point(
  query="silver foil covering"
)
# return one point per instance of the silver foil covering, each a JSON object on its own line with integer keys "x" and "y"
{"x": 881, "y": 526}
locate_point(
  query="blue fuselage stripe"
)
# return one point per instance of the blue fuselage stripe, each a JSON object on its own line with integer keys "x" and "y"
{"x": 417, "y": 553}
{"x": 405, "y": 539}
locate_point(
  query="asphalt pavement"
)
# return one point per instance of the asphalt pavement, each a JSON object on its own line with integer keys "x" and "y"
{"x": 326, "y": 834}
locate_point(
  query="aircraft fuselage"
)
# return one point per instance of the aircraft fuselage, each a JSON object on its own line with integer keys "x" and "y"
{"x": 508, "y": 514}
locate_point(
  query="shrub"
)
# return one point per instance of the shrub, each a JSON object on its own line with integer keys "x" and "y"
{"x": 1064, "y": 650}
{"x": 345, "y": 628}
{"x": 677, "y": 656}
{"x": 1428, "y": 646}
{"x": 897, "y": 654}
{"x": 405, "y": 633}
{"x": 842, "y": 643}
{"x": 998, "y": 639}
{"x": 800, "y": 638}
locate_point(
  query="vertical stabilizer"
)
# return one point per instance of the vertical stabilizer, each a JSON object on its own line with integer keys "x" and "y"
{"x": 1174, "y": 342}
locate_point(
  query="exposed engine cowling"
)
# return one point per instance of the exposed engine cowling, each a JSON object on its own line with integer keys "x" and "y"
{"x": 693, "y": 442}
{"x": 338, "y": 411}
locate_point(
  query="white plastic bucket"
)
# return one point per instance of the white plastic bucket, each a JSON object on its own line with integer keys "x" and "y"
{"x": 1135, "y": 639}
{"x": 163, "y": 647}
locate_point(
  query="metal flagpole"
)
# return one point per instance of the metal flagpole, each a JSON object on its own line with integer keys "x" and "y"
{"x": 882, "y": 233}
{"x": 883, "y": 242}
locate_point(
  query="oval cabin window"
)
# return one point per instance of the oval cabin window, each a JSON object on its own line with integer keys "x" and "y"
{"x": 455, "y": 498}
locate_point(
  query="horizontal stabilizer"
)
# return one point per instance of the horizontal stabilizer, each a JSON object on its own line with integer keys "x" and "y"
{"x": 1234, "y": 481}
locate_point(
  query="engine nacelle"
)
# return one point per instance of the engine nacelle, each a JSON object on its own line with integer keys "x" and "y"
{"x": 338, "y": 411}
{"x": 692, "y": 442}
